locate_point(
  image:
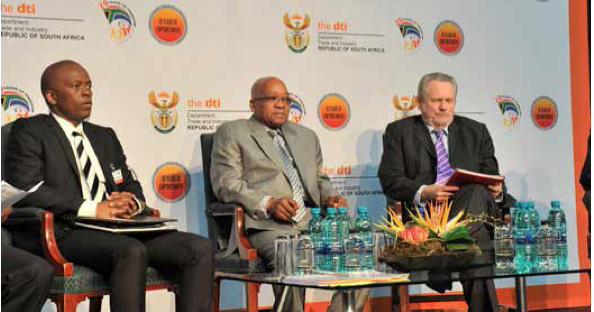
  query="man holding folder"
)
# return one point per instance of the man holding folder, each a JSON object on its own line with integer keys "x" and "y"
{"x": 420, "y": 154}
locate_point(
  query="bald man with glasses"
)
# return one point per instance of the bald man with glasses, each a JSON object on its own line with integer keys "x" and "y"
{"x": 273, "y": 169}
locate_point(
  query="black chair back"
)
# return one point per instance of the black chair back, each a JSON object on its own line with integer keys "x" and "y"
{"x": 219, "y": 222}
{"x": 5, "y": 135}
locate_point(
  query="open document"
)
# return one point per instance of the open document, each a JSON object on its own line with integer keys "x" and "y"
{"x": 11, "y": 194}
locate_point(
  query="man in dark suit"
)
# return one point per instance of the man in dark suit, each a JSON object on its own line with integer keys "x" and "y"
{"x": 26, "y": 278}
{"x": 85, "y": 173}
{"x": 420, "y": 153}
{"x": 273, "y": 168}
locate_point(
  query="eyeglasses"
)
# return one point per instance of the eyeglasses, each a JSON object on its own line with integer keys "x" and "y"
{"x": 274, "y": 99}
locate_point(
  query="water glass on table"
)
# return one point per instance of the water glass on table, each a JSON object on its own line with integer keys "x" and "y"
{"x": 303, "y": 255}
{"x": 382, "y": 240}
{"x": 282, "y": 257}
{"x": 547, "y": 245}
{"x": 504, "y": 248}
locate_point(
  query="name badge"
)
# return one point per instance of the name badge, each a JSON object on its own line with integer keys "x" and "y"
{"x": 117, "y": 176}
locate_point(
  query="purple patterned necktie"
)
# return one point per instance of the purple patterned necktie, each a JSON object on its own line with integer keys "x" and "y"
{"x": 444, "y": 170}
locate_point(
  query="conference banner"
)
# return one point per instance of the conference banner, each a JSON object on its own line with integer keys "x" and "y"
{"x": 165, "y": 72}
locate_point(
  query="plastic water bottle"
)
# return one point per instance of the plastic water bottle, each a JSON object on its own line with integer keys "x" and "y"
{"x": 531, "y": 235}
{"x": 557, "y": 221}
{"x": 517, "y": 207}
{"x": 522, "y": 258}
{"x": 332, "y": 243}
{"x": 345, "y": 223}
{"x": 315, "y": 232}
{"x": 364, "y": 230}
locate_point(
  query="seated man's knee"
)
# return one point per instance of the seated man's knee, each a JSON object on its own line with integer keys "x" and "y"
{"x": 199, "y": 250}
{"x": 134, "y": 251}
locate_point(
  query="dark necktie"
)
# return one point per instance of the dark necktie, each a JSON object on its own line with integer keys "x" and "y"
{"x": 96, "y": 188}
{"x": 296, "y": 185}
{"x": 444, "y": 170}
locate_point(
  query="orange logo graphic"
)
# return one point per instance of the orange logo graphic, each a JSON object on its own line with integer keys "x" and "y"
{"x": 171, "y": 182}
{"x": 544, "y": 113}
{"x": 334, "y": 111}
{"x": 168, "y": 25}
{"x": 449, "y": 38}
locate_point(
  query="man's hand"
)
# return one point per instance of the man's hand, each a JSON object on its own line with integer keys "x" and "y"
{"x": 117, "y": 205}
{"x": 283, "y": 208}
{"x": 438, "y": 192}
{"x": 126, "y": 197}
{"x": 495, "y": 189}
{"x": 336, "y": 201}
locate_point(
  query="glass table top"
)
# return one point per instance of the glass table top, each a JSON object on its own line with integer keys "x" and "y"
{"x": 388, "y": 278}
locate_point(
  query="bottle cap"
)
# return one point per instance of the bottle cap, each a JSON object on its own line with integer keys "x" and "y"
{"x": 342, "y": 210}
{"x": 331, "y": 210}
{"x": 315, "y": 210}
{"x": 362, "y": 209}
{"x": 555, "y": 203}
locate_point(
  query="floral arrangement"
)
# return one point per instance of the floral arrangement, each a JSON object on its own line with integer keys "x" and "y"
{"x": 429, "y": 232}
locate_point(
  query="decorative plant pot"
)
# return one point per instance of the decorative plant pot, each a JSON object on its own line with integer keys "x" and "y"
{"x": 403, "y": 256}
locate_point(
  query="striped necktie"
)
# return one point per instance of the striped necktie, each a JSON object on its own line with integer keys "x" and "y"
{"x": 444, "y": 170}
{"x": 96, "y": 188}
{"x": 296, "y": 185}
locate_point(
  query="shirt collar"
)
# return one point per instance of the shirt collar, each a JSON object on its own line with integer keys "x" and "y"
{"x": 445, "y": 130}
{"x": 67, "y": 127}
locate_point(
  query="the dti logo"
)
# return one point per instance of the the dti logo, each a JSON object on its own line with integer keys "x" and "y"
{"x": 297, "y": 109}
{"x": 405, "y": 105}
{"x": 168, "y": 25}
{"x": 15, "y": 104}
{"x": 120, "y": 18}
{"x": 171, "y": 182}
{"x": 163, "y": 113}
{"x": 296, "y": 34}
{"x": 449, "y": 38}
{"x": 510, "y": 109}
{"x": 544, "y": 113}
{"x": 412, "y": 34}
{"x": 334, "y": 111}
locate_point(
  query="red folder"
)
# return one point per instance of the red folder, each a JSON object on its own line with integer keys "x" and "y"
{"x": 462, "y": 176}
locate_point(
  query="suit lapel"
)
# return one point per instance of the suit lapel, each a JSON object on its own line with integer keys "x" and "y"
{"x": 95, "y": 140}
{"x": 423, "y": 137}
{"x": 261, "y": 136}
{"x": 66, "y": 147}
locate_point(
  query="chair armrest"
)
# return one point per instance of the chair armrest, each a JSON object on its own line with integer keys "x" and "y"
{"x": 23, "y": 218}
{"x": 50, "y": 248}
{"x": 246, "y": 251}
{"x": 221, "y": 210}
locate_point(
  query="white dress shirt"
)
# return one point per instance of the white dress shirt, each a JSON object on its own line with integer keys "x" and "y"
{"x": 89, "y": 207}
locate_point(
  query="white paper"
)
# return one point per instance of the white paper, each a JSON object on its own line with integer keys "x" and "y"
{"x": 11, "y": 194}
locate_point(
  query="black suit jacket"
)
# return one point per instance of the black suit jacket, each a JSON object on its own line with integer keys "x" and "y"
{"x": 40, "y": 151}
{"x": 409, "y": 159}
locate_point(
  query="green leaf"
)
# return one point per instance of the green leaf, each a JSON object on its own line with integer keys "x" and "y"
{"x": 458, "y": 232}
{"x": 458, "y": 246}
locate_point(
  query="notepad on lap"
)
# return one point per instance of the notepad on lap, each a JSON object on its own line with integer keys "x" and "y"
{"x": 118, "y": 225}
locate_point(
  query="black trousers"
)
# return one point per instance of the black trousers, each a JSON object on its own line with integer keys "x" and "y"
{"x": 183, "y": 257}
{"x": 26, "y": 280}
{"x": 479, "y": 294}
